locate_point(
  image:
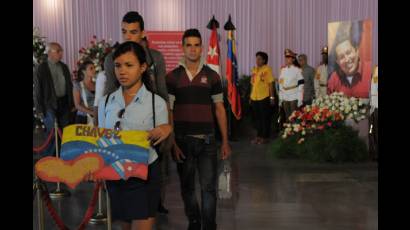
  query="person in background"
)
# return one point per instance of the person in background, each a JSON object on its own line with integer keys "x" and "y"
{"x": 84, "y": 93}
{"x": 290, "y": 84}
{"x": 262, "y": 97}
{"x": 54, "y": 94}
{"x": 321, "y": 75}
{"x": 374, "y": 114}
{"x": 308, "y": 73}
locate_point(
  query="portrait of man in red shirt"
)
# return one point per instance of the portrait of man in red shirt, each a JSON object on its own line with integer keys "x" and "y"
{"x": 350, "y": 58}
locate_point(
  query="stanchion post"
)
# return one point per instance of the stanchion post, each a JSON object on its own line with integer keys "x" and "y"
{"x": 58, "y": 193}
{"x": 109, "y": 221}
{"x": 99, "y": 217}
{"x": 40, "y": 207}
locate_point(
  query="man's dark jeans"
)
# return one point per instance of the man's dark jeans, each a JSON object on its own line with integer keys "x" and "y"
{"x": 200, "y": 154}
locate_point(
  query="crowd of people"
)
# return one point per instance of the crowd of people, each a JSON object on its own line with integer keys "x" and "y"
{"x": 179, "y": 110}
{"x": 133, "y": 92}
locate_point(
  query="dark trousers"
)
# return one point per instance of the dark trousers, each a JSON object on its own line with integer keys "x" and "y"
{"x": 201, "y": 155}
{"x": 374, "y": 136}
{"x": 262, "y": 112}
{"x": 308, "y": 102}
{"x": 289, "y": 107}
{"x": 64, "y": 117}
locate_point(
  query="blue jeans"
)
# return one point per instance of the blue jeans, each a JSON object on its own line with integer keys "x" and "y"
{"x": 201, "y": 155}
{"x": 63, "y": 119}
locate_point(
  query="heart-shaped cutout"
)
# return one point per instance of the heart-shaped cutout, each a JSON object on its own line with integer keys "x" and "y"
{"x": 72, "y": 172}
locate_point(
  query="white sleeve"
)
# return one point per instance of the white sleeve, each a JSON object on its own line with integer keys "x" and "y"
{"x": 316, "y": 82}
{"x": 99, "y": 87}
{"x": 280, "y": 93}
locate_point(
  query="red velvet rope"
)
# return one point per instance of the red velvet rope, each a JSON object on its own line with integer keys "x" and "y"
{"x": 91, "y": 207}
{"x": 60, "y": 134}
{"x": 45, "y": 144}
{"x": 59, "y": 222}
{"x": 88, "y": 214}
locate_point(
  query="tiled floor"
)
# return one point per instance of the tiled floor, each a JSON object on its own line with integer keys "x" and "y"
{"x": 267, "y": 194}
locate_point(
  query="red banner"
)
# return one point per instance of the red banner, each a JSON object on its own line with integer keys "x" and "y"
{"x": 169, "y": 43}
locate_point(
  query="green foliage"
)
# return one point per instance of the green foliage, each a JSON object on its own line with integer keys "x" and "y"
{"x": 341, "y": 144}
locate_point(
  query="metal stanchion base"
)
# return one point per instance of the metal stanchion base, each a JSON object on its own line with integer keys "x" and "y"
{"x": 98, "y": 218}
{"x": 58, "y": 194}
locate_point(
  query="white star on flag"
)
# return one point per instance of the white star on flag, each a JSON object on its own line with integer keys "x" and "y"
{"x": 212, "y": 51}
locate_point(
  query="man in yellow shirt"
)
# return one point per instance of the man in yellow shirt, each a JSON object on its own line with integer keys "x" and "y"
{"x": 262, "y": 96}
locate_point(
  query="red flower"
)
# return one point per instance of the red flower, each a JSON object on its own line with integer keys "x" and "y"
{"x": 329, "y": 124}
{"x": 321, "y": 127}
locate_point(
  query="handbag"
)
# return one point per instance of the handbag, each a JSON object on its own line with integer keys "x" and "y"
{"x": 224, "y": 179}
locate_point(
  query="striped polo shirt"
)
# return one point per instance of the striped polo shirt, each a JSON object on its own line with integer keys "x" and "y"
{"x": 191, "y": 99}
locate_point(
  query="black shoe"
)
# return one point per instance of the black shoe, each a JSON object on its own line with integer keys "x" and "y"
{"x": 194, "y": 225}
{"x": 162, "y": 209}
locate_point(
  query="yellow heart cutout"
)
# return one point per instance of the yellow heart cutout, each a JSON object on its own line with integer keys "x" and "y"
{"x": 72, "y": 172}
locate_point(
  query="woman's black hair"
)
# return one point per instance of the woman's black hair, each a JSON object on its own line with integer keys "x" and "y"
{"x": 82, "y": 68}
{"x": 139, "y": 52}
{"x": 263, "y": 55}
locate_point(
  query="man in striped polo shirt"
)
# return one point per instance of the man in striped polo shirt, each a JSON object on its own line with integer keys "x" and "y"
{"x": 195, "y": 92}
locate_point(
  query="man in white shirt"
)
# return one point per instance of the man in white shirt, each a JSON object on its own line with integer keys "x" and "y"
{"x": 321, "y": 76}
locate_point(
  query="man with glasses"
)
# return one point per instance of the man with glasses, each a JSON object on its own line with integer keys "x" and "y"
{"x": 55, "y": 92}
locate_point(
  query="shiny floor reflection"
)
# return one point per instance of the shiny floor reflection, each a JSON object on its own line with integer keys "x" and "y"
{"x": 267, "y": 194}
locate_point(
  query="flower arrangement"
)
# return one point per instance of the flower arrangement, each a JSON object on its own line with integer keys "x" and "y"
{"x": 96, "y": 52}
{"x": 39, "y": 45}
{"x": 351, "y": 108}
{"x": 325, "y": 112}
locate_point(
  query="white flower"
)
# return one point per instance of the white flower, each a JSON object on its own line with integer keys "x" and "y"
{"x": 100, "y": 45}
{"x": 303, "y": 132}
{"x": 333, "y": 108}
{"x": 360, "y": 103}
{"x": 355, "y": 107}
{"x": 363, "y": 111}
{"x": 355, "y": 112}
{"x": 347, "y": 109}
{"x": 342, "y": 108}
